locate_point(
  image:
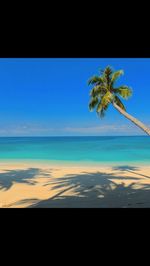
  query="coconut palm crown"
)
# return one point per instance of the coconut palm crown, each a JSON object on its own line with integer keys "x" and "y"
{"x": 104, "y": 91}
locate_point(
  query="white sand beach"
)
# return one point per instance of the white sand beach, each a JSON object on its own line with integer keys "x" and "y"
{"x": 36, "y": 185}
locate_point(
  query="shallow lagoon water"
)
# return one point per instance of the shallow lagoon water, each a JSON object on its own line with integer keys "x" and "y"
{"x": 104, "y": 150}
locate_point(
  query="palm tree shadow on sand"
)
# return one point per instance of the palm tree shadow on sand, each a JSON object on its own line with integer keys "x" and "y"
{"x": 97, "y": 189}
{"x": 130, "y": 169}
{"x": 25, "y": 176}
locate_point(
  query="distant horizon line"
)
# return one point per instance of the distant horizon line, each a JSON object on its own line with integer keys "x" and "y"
{"x": 73, "y": 136}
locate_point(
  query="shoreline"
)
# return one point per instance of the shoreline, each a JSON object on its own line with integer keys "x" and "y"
{"x": 64, "y": 163}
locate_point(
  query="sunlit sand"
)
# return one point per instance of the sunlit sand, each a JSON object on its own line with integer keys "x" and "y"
{"x": 37, "y": 185}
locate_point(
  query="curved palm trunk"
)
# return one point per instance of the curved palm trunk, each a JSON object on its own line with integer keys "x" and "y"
{"x": 131, "y": 118}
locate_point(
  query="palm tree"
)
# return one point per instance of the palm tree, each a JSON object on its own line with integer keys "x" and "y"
{"x": 105, "y": 93}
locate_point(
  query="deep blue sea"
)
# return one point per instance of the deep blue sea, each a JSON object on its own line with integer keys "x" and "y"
{"x": 135, "y": 149}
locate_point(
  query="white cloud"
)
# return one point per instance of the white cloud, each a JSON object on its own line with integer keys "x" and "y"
{"x": 24, "y": 130}
{"x": 110, "y": 128}
{"x": 45, "y": 130}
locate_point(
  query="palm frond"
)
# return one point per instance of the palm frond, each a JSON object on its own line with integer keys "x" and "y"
{"x": 102, "y": 113}
{"x": 119, "y": 103}
{"x": 124, "y": 91}
{"x": 95, "y": 80}
{"x": 98, "y": 90}
{"x": 104, "y": 104}
{"x": 107, "y": 75}
{"x": 101, "y": 109}
{"x": 116, "y": 75}
{"x": 107, "y": 98}
{"x": 93, "y": 103}
{"x": 108, "y": 71}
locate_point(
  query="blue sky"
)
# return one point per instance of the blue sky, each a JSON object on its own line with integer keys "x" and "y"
{"x": 49, "y": 97}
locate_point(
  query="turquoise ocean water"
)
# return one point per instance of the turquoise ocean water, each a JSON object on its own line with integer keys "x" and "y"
{"x": 77, "y": 149}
